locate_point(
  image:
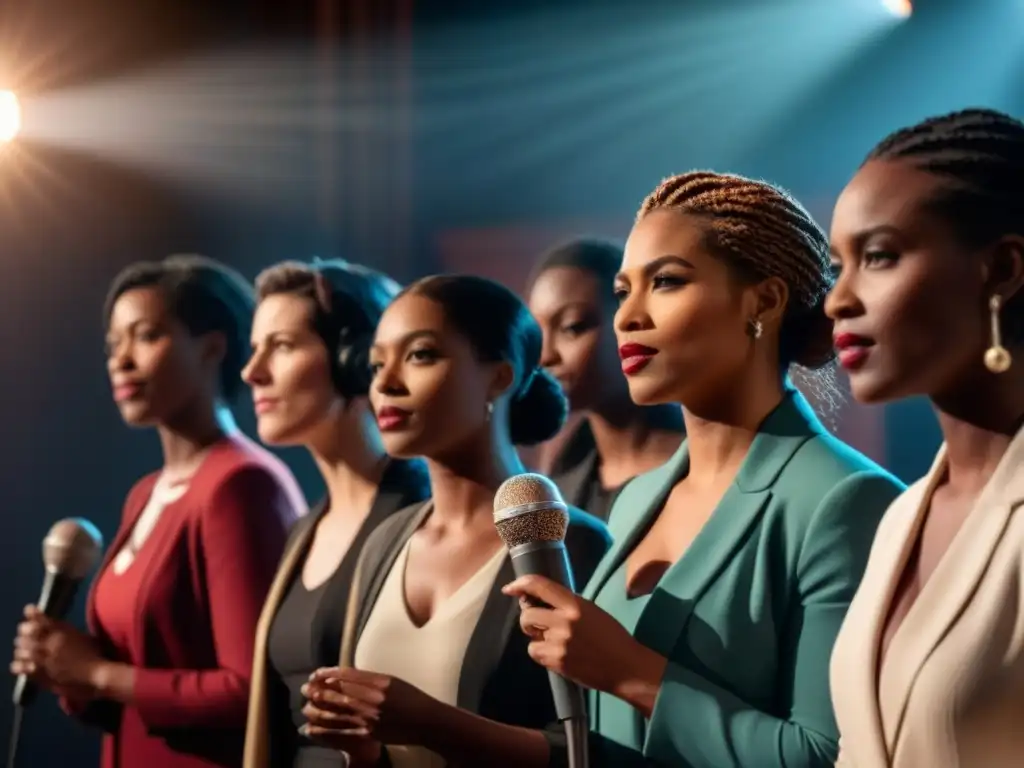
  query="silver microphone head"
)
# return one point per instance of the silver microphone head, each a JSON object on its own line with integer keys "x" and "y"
{"x": 529, "y": 508}
{"x": 72, "y": 548}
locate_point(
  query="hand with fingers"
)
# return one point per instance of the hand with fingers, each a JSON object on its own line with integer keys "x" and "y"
{"x": 56, "y": 656}
{"x": 350, "y": 709}
{"x": 578, "y": 640}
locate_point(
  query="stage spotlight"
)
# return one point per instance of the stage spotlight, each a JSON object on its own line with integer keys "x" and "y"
{"x": 10, "y": 116}
{"x": 900, "y": 8}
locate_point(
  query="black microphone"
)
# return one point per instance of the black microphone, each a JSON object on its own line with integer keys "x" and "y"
{"x": 532, "y": 520}
{"x": 70, "y": 551}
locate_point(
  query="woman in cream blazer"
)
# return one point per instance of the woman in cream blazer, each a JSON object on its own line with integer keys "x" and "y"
{"x": 928, "y": 669}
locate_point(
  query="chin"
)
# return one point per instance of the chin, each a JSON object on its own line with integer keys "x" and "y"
{"x": 137, "y": 415}
{"x": 650, "y": 391}
{"x": 401, "y": 445}
{"x": 271, "y": 434}
{"x": 872, "y": 390}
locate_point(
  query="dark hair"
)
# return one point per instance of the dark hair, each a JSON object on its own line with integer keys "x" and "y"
{"x": 348, "y": 301}
{"x": 599, "y": 258}
{"x": 500, "y": 327}
{"x": 762, "y": 232}
{"x": 979, "y": 155}
{"x": 206, "y": 296}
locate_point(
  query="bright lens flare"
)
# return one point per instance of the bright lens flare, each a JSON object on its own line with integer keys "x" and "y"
{"x": 899, "y": 8}
{"x": 10, "y": 116}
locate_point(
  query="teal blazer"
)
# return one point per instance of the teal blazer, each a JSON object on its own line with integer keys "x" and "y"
{"x": 748, "y": 615}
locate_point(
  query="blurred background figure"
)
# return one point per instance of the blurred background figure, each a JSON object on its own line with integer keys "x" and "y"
{"x": 164, "y": 669}
{"x": 572, "y": 297}
{"x": 310, "y": 377}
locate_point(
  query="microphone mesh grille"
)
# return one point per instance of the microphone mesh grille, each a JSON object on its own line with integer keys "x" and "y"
{"x": 539, "y": 525}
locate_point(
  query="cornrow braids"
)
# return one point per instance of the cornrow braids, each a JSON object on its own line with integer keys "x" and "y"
{"x": 764, "y": 233}
{"x": 979, "y": 155}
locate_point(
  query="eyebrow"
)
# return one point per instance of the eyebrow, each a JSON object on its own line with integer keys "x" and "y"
{"x": 653, "y": 266}
{"x": 408, "y": 338}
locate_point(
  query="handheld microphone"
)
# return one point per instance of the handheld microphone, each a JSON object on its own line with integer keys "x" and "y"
{"x": 70, "y": 551}
{"x": 532, "y": 520}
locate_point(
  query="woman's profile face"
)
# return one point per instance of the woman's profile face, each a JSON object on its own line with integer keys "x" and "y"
{"x": 156, "y": 368}
{"x": 573, "y": 310}
{"x": 429, "y": 390}
{"x": 683, "y": 319}
{"x": 289, "y": 373}
{"x": 909, "y": 306}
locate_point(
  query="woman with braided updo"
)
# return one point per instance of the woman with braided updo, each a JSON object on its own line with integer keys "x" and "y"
{"x": 705, "y": 633}
{"x": 928, "y": 669}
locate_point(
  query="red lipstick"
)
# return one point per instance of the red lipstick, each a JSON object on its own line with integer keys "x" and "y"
{"x": 390, "y": 418}
{"x": 635, "y": 357}
{"x": 127, "y": 390}
{"x": 852, "y": 350}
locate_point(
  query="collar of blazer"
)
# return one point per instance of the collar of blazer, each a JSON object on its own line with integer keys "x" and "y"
{"x": 670, "y": 608}
{"x": 874, "y": 699}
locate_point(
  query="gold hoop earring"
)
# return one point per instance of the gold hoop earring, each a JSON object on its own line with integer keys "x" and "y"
{"x": 755, "y": 328}
{"x": 997, "y": 357}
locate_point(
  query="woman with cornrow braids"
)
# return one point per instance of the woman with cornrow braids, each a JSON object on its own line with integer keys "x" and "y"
{"x": 705, "y": 633}
{"x": 928, "y": 669}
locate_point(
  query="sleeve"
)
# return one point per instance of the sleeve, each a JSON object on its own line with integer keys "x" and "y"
{"x": 242, "y": 536}
{"x": 697, "y": 723}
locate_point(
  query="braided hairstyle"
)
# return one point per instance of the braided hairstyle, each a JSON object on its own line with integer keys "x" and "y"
{"x": 762, "y": 232}
{"x": 979, "y": 155}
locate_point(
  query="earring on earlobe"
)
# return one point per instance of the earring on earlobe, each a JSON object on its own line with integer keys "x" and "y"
{"x": 997, "y": 357}
{"x": 755, "y": 328}
{"x": 490, "y": 410}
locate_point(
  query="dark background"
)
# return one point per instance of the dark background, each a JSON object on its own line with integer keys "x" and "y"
{"x": 408, "y": 200}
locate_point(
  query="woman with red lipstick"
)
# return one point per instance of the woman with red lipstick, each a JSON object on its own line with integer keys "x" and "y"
{"x": 929, "y": 237}
{"x": 441, "y": 674}
{"x": 310, "y": 377}
{"x": 705, "y": 632}
{"x": 165, "y": 666}
{"x": 572, "y": 297}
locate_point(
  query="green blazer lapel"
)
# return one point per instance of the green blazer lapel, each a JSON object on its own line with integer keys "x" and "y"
{"x": 634, "y": 510}
{"x": 782, "y": 433}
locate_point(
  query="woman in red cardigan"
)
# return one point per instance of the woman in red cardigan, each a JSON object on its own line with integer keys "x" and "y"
{"x": 166, "y": 664}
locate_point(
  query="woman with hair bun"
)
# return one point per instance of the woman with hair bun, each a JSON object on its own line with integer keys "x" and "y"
{"x": 705, "y": 632}
{"x": 441, "y": 673}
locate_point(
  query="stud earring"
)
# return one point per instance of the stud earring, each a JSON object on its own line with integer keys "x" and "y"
{"x": 490, "y": 410}
{"x": 997, "y": 357}
{"x": 755, "y": 328}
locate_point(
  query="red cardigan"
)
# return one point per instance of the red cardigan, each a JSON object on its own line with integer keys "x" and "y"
{"x": 207, "y": 568}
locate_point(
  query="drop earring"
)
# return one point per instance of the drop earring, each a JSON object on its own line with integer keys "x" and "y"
{"x": 997, "y": 357}
{"x": 755, "y": 328}
{"x": 490, "y": 410}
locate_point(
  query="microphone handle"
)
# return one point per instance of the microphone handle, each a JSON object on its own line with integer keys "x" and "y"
{"x": 55, "y": 600}
{"x": 550, "y": 560}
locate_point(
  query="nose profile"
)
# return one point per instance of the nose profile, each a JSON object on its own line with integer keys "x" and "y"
{"x": 548, "y": 353}
{"x": 255, "y": 371}
{"x": 631, "y": 315}
{"x": 387, "y": 379}
{"x": 842, "y": 302}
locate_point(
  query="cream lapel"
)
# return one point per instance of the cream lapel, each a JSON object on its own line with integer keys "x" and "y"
{"x": 949, "y": 588}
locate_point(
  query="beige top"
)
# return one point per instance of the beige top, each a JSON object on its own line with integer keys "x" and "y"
{"x": 428, "y": 657}
{"x": 950, "y": 691}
